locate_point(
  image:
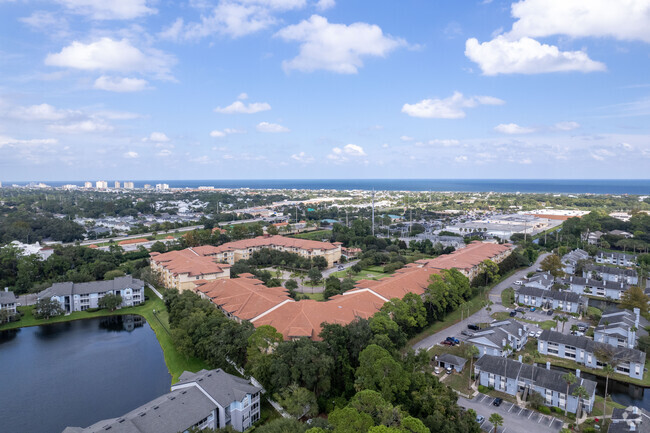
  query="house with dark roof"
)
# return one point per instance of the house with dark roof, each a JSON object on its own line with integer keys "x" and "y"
{"x": 512, "y": 377}
{"x": 541, "y": 281}
{"x": 618, "y": 328}
{"x": 8, "y": 301}
{"x": 501, "y": 338}
{"x": 582, "y": 350}
{"x": 82, "y": 296}
{"x": 208, "y": 399}
{"x": 563, "y": 300}
{"x": 618, "y": 259}
{"x": 595, "y": 288}
{"x": 608, "y": 273}
{"x": 447, "y": 360}
{"x": 570, "y": 260}
{"x": 630, "y": 419}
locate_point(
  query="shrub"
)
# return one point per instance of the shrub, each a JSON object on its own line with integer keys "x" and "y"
{"x": 545, "y": 410}
{"x": 482, "y": 389}
{"x": 556, "y": 409}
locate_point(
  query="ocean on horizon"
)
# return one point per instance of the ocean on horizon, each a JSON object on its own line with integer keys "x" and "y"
{"x": 562, "y": 186}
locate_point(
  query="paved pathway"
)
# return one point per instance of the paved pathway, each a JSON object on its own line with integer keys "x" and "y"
{"x": 516, "y": 419}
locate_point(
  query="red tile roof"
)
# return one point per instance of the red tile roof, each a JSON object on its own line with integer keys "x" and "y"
{"x": 466, "y": 258}
{"x": 188, "y": 261}
{"x": 277, "y": 240}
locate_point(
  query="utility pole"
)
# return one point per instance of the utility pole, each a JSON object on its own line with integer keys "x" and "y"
{"x": 373, "y": 211}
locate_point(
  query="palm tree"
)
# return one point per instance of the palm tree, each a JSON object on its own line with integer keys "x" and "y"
{"x": 471, "y": 352}
{"x": 609, "y": 370}
{"x": 570, "y": 379}
{"x": 574, "y": 328}
{"x": 581, "y": 393}
{"x": 496, "y": 420}
{"x": 563, "y": 319}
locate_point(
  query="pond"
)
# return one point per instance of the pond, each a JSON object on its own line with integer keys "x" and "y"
{"x": 77, "y": 373}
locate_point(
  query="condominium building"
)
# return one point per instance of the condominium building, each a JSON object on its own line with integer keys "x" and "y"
{"x": 596, "y": 288}
{"x": 8, "y": 301}
{"x": 128, "y": 185}
{"x": 82, "y": 296}
{"x": 501, "y": 338}
{"x": 571, "y": 259}
{"x": 117, "y": 184}
{"x": 182, "y": 269}
{"x": 88, "y": 184}
{"x": 210, "y": 399}
{"x": 618, "y": 328}
{"x": 582, "y": 350}
{"x": 101, "y": 184}
{"x": 512, "y": 377}
{"x": 630, "y": 419}
{"x": 618, "y": 259}
{"x": 162, "y": 187}
{"x": 562, "y": 300}
{"x": 608, "y": 273}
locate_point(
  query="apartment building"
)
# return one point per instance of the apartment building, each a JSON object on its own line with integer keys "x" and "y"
{"x": 595, "y": 288}
{"x": 618, "y": 259}
{"x": 468, "y": 260}
{"x": 82, "y": 296}
{"x": 182, "y": 269}
{"x": 8, "y": 301}
{"x": 550, "y": 299}
{"x": 512, "y": 377}
{"x": 630, "y": 419}
{"x": 501, "y": 339}
{"x": 128, "y": 185}
{"x": 571, "y": 259}
{"x": 101, "y": 184}
{"x": 618, "y": 328}
{"x": 582, "y": 350}
{"x": 210, "y": 399}
{"x": 607, "y": 273}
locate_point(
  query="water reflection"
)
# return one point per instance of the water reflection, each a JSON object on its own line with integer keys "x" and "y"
{"x": 7, "y": 336}
{"x": 121, "y": 323}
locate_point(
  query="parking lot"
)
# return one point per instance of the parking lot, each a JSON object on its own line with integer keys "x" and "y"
{"x": 516, "y": 419}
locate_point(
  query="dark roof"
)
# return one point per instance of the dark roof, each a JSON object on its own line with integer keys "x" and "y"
{"x": 532, "y": 291}
{"x": 223, "y": 387}
{"x": 8, "y": 298}
{"x": 448, "y": 358}
{"x": 612, "y": 254}
{"x": 587, "y": 344}
{"x": 565, "y": 295}
{"x": 609, "y": 270}
{"x": 68, "y": 288}
{"x": 622, "y": 419}
{"x": 543, "y": 377}
{"x": 580, "y": 281}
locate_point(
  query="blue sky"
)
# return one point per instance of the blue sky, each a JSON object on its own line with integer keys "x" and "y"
{"x": 199, "y": 89}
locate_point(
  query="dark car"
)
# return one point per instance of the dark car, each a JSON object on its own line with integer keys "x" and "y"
{"x": 497, "y": 401}
{"x": 513, "y": 313}
{"x": 549, "y": 313}
{"x": 453, "y": 340}
{"x": 447, "y": 343}
{"x": 473, "y": 327}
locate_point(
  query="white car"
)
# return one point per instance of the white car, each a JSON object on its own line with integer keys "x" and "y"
{"x": 437, "y": 370}
{"x": 519, "y": 282}
{"x": 531, "y": 334}
{"x": 538, "y": 333}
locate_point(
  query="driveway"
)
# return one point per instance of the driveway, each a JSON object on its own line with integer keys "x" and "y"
{"x": 515, "y": 418}
{"x": 330, "y": 271}
{"x": 482, "y": 316}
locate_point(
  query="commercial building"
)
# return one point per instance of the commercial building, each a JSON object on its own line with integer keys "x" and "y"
{"x": 501, "y": 338}
{"x": 618, "y": 328}
{"x": 208, "y": 399}
{"x": 182, "y": 269}
{"x": 512, "y": 377}
{"x": 582, "y": 350}
{"x": 468, "y": 260}
{"x": 550, "y": 299}
{"x": 82, "y": 296}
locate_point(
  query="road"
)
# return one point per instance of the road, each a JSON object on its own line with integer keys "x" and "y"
{"x": 516, "y": 419}
{"x": 138, "y": 236}
{"x": 482, "y": 316}
{"x": 341, "y": 267}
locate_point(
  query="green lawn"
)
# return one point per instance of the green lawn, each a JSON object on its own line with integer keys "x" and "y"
{"x": 598, "y": 406}
{"x": 371, "y": 273}
{"x": 317, "y": 235}
{"x": 459, "y": 381}
{"x": 315, "y": 296}
{"x": 176, "y": 363}
{"x": 502, "y": 315}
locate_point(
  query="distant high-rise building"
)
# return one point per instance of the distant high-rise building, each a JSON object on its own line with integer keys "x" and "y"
{"x": 117, "y": 184}
{"x": 0, "y": 184}
{"x": 101, "y": 184}
{"x": 147, "y": 186}
{"x": 128, "y": 185}
{"x": 162, "y": 186}
{"x": 88, "y": 185}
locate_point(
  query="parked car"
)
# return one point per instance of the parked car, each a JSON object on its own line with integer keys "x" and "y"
{"x": 480, "y": 419}
{"x": 531, "y": 334}
{"x": 582, "y": 327}
{"x": 467, "y": 333}
{"x": 473, "y": 327}
{"x": 437, "y": 370}
{"x": 532, "y": 309}
{"x": 446, "y": 343}
{"x": 538, "y": 333}
{"x": 519, "y": 282}
{"x": 453, "y": 340}
{"x": 520, "y": 310}
{"x": 513, "y": 313}
{"x": 449, "y": 370}
{"x": 577, "y": 333}
{"x": 497, "y": 401}
{"x": 549, "y": 313}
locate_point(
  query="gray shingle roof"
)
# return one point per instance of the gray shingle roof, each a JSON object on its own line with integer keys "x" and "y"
{"x": 8, "y": 298}
{"x": 68, "y": 288}
{"x": 448, "y": 358}
{"x": 609, "y": 270}
{"x": 560, "y": 295}
{"x": 574, "y": 256}
{"x": 630, "y": 257}
{"x": 223, "y": 387}
{"x": 546, "y": 378}
{"x": 580, "y": 281}
{"x": 590, "y": 346}
{"x": 623, "y": 418}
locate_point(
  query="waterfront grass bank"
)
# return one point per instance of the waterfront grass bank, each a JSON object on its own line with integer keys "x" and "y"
{"x": 159, "y": 322}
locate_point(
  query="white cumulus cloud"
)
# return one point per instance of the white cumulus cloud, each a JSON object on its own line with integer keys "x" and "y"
{"x": 109, "y": 10}
{"x": 84, "y": 126}
{"x": 120, "y": 84}
{"x": 157, "y": 137}
{"x": 335, "y": 47}
{"x": 238, "y": 107}
{"x": 526, "y": 56}
{"x": 107, "y": 54}
{"x": 344, "y": 154}
{"x": 406, "y": 138}
{"x": 271, "y": 127}
{"x": 513, "y": 128}
{"x": 448, "y": 108}
{"x": 302, "y": 157}
{"x": 217, "y": 134}
{"x": 130, "y": 154}
{"x": 322, "y": 5}
{"x": 41, "y": 112}
{"x": 566, "y": 126}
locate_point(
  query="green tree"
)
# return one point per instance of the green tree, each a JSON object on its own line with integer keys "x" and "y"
{"x": 569, "y": 379}
{"x": 272, "y": 230}
{"x": 319, "y": 262}
{"x": 471, "y": 352}
{"x": 409, "y": 313}
{"x": 490, "y": 270}
{"x": 315, "y": 276}
{"x": 350, "y": 420}
{"x": 496, "y": 420}
{"x": 47, "y": 307}
{"x": 634, "y": 297}
{"x": 299, "y": 402}
{"x": 535, "y": 400}
{"x": 553, "y": 265}
{"x": 282, "y": 425}
{"x": 378, "y": 371}
{"x": 111, "y": 275}
{"x": 110, "y": 301}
